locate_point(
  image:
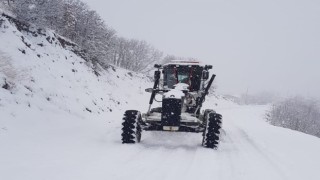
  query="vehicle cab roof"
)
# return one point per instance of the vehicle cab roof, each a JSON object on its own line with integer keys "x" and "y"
{"x": 185, "y": 63}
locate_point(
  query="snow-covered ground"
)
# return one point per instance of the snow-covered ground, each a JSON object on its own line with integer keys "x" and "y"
{"x": 60, "y": 121}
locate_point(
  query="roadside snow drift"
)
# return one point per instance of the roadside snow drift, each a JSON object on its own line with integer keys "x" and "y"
{"x": 60, "y": 119}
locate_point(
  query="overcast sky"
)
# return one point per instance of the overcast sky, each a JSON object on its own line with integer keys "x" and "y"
{"x": 269, "y": 45}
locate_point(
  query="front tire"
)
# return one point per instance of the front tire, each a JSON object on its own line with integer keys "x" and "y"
{"x": 131, "y": 127}
{"x": 211, "y": 134}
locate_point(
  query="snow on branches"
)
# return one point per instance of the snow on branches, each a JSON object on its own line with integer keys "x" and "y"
{"x": 297, "y": 114}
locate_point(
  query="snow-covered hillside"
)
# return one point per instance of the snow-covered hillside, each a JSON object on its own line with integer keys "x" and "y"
{"x": 41, "y": 70}
{"x": 60, "y": 119}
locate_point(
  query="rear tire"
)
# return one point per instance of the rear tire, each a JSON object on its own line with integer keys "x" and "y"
{"x": 211, "y": 134}
{"x": 131, "y": 127}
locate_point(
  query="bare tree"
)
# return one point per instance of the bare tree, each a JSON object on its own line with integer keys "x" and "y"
{"x": 74, "y": 20}
{"x": 298, "y": 114}
{"x": 135, "y": 55}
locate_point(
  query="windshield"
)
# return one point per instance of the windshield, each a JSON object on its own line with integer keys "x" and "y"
{"x": 183, "y": 74}
{"x": 190, "y": 75}
{"x": 174, "y": 75}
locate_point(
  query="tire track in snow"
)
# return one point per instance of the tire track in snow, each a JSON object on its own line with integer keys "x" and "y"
{"x": 156, "y": 159}
{"x": 246, "y": 158}
{"x": 176, "y": 155}
{"x": 250, "y": 149}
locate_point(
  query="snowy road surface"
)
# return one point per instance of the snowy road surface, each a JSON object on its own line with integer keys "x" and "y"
{"x": 250, "y": 149}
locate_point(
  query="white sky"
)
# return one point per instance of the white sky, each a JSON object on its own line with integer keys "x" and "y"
{"x": 270, "y": 45}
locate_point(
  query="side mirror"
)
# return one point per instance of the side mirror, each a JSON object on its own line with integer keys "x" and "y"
{"x": 207, "y": 67}
{"x": 205, "y": 75}
{"x": 149, "y": 90}
{"x": 157, "y": 75}
{"x": 157, "y": 66}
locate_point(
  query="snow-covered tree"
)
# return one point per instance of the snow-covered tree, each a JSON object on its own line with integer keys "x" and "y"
{"x": 298, "y": 114}
{"x": 74, "y": 20}
{"x": 135, "y": 55}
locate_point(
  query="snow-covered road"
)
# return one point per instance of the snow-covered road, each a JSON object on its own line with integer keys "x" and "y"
{"x": 250, "y": 149}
